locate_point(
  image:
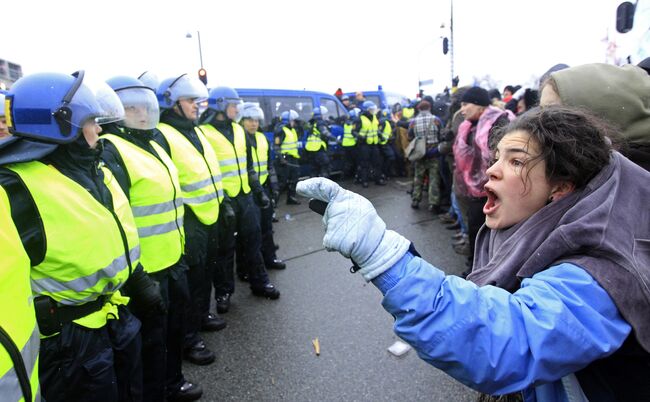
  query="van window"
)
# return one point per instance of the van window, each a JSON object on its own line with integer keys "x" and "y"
{"x": 375, "y": 99}
{"x": 392, "y": 99}
{"x": 333, "y": 109}
{"x": 301, "y": 104}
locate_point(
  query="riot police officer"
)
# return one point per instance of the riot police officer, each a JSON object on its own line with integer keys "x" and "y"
{"x": 368, "y": 143}
{"x": 241, "y": 184}
{"x": 149, "y": 179}
{"x": 82, "y": 242}
{"x": 203, "y": 199}
{"x": 349, "y": 143}
{"x": 251, "y": 115}
{"x": 287, "y": 147}
{"x": 316, "y": 144}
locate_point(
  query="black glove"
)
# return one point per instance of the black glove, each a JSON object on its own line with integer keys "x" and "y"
{"x": 283, "y": 160}
{"x": 261, "y": 199}
{"x": 227, "y": 212}
{"x": 144, "y": 293}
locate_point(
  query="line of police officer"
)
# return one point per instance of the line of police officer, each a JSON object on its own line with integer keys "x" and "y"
{"x": 145, "y": 223}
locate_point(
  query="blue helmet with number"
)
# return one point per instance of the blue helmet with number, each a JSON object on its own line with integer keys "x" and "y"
{"x": 53, "y": 107}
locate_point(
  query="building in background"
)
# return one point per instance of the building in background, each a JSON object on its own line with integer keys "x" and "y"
{"x": 9, "y": 73}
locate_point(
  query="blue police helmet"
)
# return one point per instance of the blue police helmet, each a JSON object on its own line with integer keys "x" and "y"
{"x": 369, "y": 105}
{"x": 184, "y": 86}
{"x": 354, "y": 113}
{"x": 220, "y": 97}
{"x": 53, "y": 107}
{"x": 289, "y": 115}
{"x": 150, "y": 80}
{"x": 139, "y": 101}
{"x": 319, "y": 112}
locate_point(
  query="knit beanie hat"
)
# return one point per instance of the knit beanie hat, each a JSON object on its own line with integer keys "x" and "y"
{"x": 477, "y": 96}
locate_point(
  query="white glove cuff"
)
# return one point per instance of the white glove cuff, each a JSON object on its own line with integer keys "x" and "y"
{"x": 390, "y": 250}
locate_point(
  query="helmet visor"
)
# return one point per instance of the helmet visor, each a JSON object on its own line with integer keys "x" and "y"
{"x": 251, "y": 111}
{"x": 92, "y": 101}
{"x": 141, "y": 109}
{"x": 187, "y": 87}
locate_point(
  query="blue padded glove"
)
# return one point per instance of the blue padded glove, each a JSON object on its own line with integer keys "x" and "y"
{"x": 353, "y": 228}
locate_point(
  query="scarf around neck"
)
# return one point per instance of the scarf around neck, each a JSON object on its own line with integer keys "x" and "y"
{"x": 604, "y": 228}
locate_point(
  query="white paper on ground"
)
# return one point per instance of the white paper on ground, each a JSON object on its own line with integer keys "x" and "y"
{"x": 399, "y": 348}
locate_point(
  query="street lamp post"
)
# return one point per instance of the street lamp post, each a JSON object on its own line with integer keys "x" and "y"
{"x": 198, "y": 36}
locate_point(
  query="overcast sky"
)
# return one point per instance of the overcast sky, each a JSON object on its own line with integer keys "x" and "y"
{"x": 319, "y": 45}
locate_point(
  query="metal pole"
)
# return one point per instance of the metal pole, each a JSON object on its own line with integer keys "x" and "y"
{"x": 451, "y": 27}
{"x": 198, "y": 34}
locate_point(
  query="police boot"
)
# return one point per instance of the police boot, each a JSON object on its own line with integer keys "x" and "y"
{"x": 199, "y": 354}
{"x": 276, "y": 264}
{"x": 291, "y": 194}
{"x": 212, "y": 323}
{"x": 187, "y": 392}
{"x": 223, "y": 303}
{"x": 269, "y": 291}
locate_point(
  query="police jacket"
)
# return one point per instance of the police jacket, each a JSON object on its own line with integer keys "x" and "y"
{"x": 225, "y": 128}
{"x": 273, "y": 178}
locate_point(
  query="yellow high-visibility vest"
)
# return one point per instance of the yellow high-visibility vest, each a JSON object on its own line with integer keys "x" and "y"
{"x": 19, "y": 333}
{"x": 314, "y": 141}
{"x": 198, "y": 173}
{"x": 231, "y": 157}
{"x": 261, "y": 157}
{"x": 290, "y": 144}
{"x": 86, "y": 256}
{"x": 348, "y": 138}
{"x": 369, "y": 129}
{"x": 156, "y": 201}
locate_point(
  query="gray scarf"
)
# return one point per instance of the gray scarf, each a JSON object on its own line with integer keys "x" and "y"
{"x": 603, "y": 228}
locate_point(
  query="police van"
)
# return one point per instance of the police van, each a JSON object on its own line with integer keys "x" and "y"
{"x": 275, "y": 101}
{"x": 383, "y": 99}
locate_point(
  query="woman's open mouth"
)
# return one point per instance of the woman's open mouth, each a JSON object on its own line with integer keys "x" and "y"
{"x": 492, "y": 202}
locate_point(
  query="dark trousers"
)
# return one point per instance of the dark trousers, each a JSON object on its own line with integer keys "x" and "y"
{"x": 96, "y": 365}
{"x": 154, "y": 337}
{"x": 350, "y": 161}
{"x": 369, "y": 162}
{"x": 268, "y": 243}
{"x": 176, "y": 294}
{"x": 247, "y": 226}
{"x": 320, "y": 163}
{"x": 389, "y": 156}
{"x": 289, "y": 171}
{"x": 197, "y": 237}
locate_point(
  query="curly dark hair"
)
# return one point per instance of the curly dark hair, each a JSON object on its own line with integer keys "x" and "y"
{"x": 575, "y": 144}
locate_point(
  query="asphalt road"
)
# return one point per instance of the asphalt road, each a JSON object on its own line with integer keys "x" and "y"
{"x": 266, "y": 352}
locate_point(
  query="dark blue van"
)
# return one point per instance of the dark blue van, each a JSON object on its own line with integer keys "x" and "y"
{"x": 383, "y": 99}
{"x": 275, "y": 101}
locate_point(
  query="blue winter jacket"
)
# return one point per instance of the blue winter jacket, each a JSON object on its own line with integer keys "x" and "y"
{"x": 497, "y": 342}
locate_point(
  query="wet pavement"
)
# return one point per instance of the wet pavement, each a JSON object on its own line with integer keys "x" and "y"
{"x": 266, "y": 352}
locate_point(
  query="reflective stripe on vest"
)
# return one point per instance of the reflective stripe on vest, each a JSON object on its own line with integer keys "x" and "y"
{"x": 314, "y": 141}
{"x": 231, "y": 157}
{"x": 290, "y": 144}
{"x": 260, "y": 156}
{"x": 17, "y": 319}
{"x": 86, "y": 255}
{"x": 348, "y": 138}
{"x": 369, "y": 129}
{"x": 156, "y": 202}
{"x": 198, "y": 173}
{"x": 387, "y": 134}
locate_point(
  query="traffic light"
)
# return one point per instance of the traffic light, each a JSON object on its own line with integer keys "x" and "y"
{"x": 203, "y": 76}
{"x": 445, "y": 45}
